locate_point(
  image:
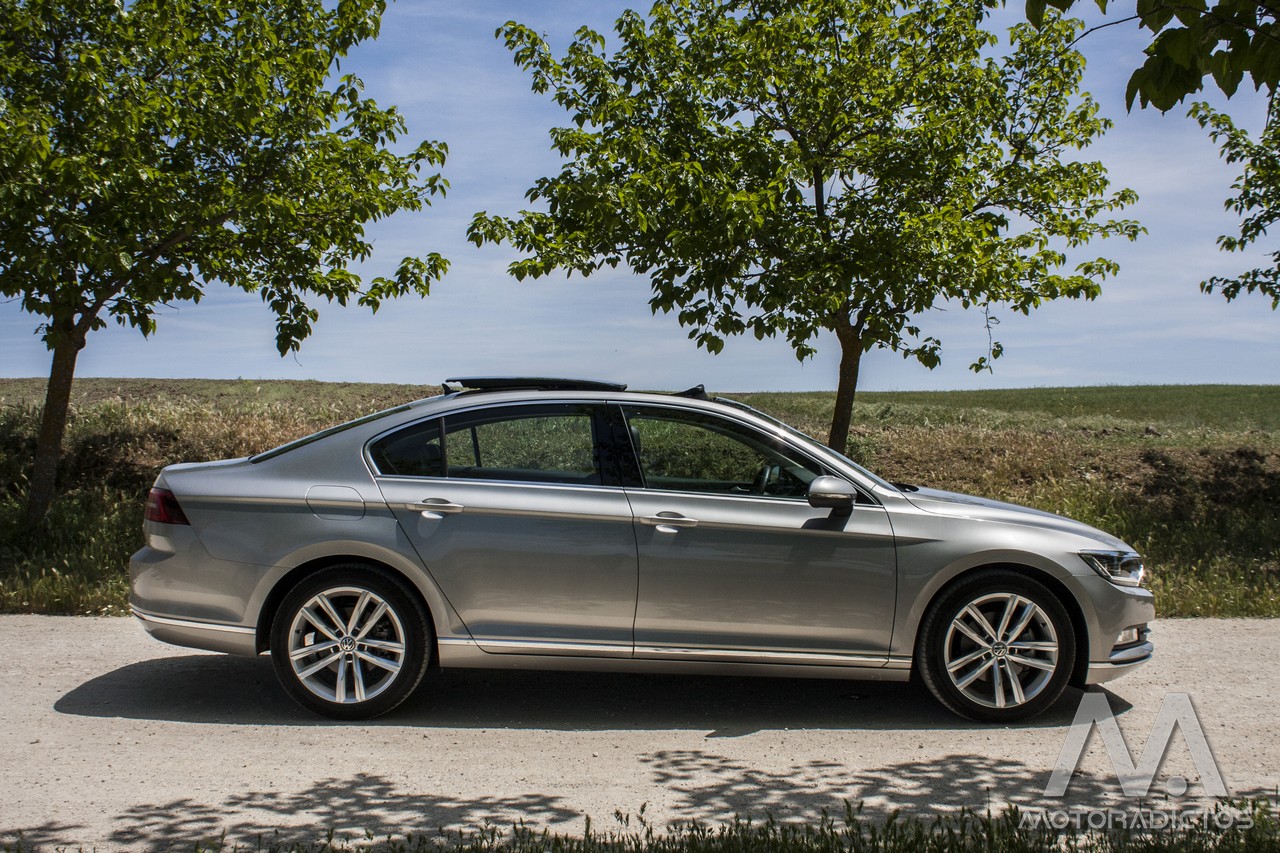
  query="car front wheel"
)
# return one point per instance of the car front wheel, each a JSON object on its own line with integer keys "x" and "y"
{"x": 997, "y": 647}
{"x": 349, "y": 642}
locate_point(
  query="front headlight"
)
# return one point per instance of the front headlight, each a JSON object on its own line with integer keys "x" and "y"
{"x": 1122, "y": 568}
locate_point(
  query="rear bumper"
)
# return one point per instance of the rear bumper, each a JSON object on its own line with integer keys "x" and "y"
{"x": 234, "y": 639}
{"x": 183, "y": 596}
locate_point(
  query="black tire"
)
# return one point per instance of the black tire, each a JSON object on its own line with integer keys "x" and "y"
{"x": 1006, "y": 679}
{"x": 370, "y": 669}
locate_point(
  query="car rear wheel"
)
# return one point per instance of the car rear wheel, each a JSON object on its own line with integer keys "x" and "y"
{"x": 350, "y": 642}
{"x": 998, "y": 647}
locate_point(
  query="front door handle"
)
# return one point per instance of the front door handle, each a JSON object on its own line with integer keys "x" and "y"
{"x": 668, "y": 522}
{"x": 435, "y": 507}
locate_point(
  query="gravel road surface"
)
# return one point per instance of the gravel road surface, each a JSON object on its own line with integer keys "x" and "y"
{"x": 114, "y": 741}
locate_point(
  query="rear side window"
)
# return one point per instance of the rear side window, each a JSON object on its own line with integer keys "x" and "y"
{"x": 544, "y": 444}
{"x": 413, "y": 452}
{"x": 553, "y": 443}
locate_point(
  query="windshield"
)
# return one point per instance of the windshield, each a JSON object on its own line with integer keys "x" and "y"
{"x": 808, "y": 440}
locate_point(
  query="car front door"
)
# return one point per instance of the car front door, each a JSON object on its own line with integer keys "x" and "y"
{"x": 735, "y": 565}
{"x": 526, "y": 533}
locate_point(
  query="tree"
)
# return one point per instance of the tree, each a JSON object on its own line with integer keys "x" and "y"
{"x": 1229, "y": 41}
{"x": 1192, "y": 40}
{"x": 1257, "y": 199}
{"x": 155, "y": 147}
{"x": 786, "y": 167}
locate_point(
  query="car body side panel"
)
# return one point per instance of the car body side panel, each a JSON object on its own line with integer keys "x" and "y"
{"x": 763, "y": 574}
{"x": 175, "y": 576}
{"x": 531, "y": 568}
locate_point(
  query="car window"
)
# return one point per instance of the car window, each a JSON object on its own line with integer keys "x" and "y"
{"x": 412, "y": 452}
{"x": 552, "y": 443}
{"x": 693, "y": 452}
{"x": 811, "y": 442}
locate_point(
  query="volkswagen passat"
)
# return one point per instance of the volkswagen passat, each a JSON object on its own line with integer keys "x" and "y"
{"x": 563, "y": 524}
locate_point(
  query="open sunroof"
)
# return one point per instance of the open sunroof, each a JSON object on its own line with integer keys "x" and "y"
{"x": 529, "y": 383}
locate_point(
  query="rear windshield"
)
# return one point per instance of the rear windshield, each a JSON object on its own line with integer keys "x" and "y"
{"x": 325, "y": 433}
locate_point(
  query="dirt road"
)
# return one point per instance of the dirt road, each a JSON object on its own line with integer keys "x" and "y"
{"x": 114, "y": 741}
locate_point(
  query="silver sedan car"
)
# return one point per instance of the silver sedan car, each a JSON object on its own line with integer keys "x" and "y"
{"x": 567, "y": 524}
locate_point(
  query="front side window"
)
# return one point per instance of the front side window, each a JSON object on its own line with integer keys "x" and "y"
{"x": 543, "y": 444}
{"x": 692, "y": 452}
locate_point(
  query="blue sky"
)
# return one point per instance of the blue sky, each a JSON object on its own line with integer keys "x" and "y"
{"x": 440, "y": 63}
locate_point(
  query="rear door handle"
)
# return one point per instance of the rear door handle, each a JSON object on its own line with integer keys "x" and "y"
{"x": 668, "y": 522}
{"x": 435, "y": 507}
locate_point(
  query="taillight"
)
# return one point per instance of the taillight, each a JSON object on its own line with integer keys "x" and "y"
{"x": 163, "y": 507}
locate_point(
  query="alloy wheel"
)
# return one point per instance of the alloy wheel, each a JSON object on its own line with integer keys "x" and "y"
{"x": 1001, "y": 650}
{"x": 347, "y": 645}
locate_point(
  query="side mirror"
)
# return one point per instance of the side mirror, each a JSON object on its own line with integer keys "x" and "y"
{"x": 831, "y": 493}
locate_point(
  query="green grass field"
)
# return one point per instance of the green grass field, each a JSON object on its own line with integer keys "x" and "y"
{"x": 1188, "y": 474}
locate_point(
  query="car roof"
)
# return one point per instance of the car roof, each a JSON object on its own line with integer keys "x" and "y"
{"x": 584, "y": 390}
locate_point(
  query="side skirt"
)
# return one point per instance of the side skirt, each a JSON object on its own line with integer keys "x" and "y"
{"x": 464, "y": 653}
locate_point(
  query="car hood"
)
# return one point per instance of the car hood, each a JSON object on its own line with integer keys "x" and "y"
{"x": 967, "y": 506}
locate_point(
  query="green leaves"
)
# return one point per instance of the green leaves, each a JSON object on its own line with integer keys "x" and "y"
{"x": 1257, "y": 198}
{"x": 155, "y": 148}
{"x": 784, "y": 168}
{"x": 1193, "y": 39}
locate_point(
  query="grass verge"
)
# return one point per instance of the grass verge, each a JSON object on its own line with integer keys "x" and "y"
{"x": 1190, "y": 475}
{"x": 1253, "y": 828}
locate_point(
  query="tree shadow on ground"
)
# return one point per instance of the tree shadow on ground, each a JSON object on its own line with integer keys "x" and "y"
{"x": 697, "y": 783}
{"x": 221, "y": 689}
{"x": 366, "y": 805}
{"x": 713, "y": 785}
{"x": 708, "y": 784}
{"x": 700, "y": 785}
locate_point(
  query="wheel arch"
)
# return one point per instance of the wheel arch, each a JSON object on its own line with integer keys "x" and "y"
{"x": 1069, "y": 602}
{"x": 294, "y": 576}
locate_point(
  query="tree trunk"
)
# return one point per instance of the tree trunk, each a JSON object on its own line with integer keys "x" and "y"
{"x": 53, "y": 426}
{"x": 847, "y": 386}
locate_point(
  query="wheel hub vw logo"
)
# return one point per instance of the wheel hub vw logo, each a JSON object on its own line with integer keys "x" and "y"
{"x": 347, "y": 644}
{"x": 999, "y": 650}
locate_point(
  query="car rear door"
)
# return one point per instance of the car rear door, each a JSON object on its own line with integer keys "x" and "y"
{"x": 735, "y": 565}
{"x": 527, "y": 533}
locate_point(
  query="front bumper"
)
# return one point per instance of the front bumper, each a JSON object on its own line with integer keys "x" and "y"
{"x": 1110, "y": 612}
{"x": 1121, "y": 661}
